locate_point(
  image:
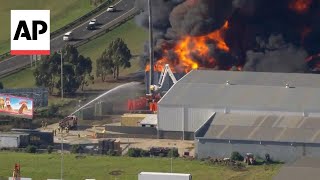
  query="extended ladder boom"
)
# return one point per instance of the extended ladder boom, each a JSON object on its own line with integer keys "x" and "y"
{"x": 162, "y": 78}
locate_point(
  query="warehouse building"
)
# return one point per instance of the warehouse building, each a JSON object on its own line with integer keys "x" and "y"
{"x": 225, "y": 111}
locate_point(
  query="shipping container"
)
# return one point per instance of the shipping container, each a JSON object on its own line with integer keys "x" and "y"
{"x": 13, "y": 140}
{"x": 163, "y": 176}
{"x": 9, "y": 141}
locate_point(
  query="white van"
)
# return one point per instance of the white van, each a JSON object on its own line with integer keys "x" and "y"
{"x": 68, "y": 36}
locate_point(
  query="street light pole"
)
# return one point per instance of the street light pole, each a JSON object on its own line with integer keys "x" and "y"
{"x": 151, "y": 57}
{"x": 61, "y": 76}
{"x": 61, "y": 170}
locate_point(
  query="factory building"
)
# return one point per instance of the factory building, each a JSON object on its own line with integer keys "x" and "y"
{"x": 249, "y": 112}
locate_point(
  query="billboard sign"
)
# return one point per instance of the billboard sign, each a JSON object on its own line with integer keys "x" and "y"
{"x": 38, "y": 95}
{"x": 16, "y": 106}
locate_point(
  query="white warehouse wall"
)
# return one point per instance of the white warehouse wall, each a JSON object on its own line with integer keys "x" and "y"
{"x": 182, "y": 119}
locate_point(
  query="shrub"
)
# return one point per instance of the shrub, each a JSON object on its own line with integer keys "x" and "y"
{"x": 111, "y": 153}
{"x": 145, "y": 153}
{"x": 162, "y": 155}
{"x": 134, "y": 152}
{"x": 236, "y": 156}
{"x": 31, "y": 149}
{"x": 76, "y": 149}
{"x": 173, "y": 153}
{"x": 53, "y": 110}
{"x": 50, "y": 149}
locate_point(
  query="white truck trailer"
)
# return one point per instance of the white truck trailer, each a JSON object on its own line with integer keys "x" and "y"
{"x": 163, "y": 176}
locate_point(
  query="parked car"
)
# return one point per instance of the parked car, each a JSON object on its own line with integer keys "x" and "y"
{"x": 111, "y": 9}
{"x": 92, "y": 24}
{"x": 68, "y": 36}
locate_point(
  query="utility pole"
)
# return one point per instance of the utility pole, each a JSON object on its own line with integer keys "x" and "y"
{"x": 61, "y": 53}
{"x": 150, "y": 46}
{"x": 61, "y": 170}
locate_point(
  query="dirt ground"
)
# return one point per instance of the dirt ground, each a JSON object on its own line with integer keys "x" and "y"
{"x": 87, "y": 137}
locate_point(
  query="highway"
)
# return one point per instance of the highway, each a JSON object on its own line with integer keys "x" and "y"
{"x": 106, "y": 19}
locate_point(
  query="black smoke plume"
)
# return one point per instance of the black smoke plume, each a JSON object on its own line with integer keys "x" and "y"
{"x": 264, "y": 35}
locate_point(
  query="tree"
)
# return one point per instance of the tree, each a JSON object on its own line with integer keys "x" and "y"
{"x": 1, "y": 85}
{"x": 117, "y": 55}
{"x": 83, "y": 71}
{"x": 46, "y": 71}
{"x": 120, "y": 56}
{"x": 76, "y": 71}
{"x": 70, "y": 82}
{"x": 104, "y": 66}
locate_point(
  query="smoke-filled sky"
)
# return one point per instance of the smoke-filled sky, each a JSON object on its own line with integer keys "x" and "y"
{"x": 264, "y": 35}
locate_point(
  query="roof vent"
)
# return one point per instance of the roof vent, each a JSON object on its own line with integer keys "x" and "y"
{"x": 228, "y": 83}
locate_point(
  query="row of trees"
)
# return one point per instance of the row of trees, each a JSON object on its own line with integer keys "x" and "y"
{"x": 77, "y": 69}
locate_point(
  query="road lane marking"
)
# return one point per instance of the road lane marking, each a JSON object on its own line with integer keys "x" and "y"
{"x": 85, "y": 22}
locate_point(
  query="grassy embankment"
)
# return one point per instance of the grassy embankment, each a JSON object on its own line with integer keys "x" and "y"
{"x": 45, "y": 166}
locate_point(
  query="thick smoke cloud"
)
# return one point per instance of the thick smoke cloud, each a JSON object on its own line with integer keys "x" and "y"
{"x": 265, "y": 35}
{"x": 160, "y": 13}
{"x": 199, "y": 17}
{"x": 277, "y": 56}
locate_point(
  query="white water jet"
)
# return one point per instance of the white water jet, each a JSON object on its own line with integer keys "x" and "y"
{"x": 106, "y": 93}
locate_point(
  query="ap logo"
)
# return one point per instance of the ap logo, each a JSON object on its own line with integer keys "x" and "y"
{"x": 30, "y": 32}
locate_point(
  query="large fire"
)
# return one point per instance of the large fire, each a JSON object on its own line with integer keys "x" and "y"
{"x": 191, "y": 47}
{"x": 300, "y": 6}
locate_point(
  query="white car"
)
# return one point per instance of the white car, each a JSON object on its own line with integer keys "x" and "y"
{"x": 111, "y": 9}
{"x": 92, "y": 24}
{"x": 68, "y": 36}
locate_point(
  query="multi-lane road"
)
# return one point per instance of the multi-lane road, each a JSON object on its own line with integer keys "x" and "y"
{"x": 106, "y": 19}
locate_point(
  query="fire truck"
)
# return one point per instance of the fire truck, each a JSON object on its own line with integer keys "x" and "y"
{"x": 70, "y": 122}
{"x": 156, "y": 89}
{"x": 157, "y": 92}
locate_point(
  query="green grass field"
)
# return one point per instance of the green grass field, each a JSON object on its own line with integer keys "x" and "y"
{"x": 45, "y": 166}
{"x": 62, "y": 13}
{"x": 133, "y": 35}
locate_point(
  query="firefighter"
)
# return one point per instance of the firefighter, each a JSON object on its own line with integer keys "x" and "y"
{"x": 67, "y": 130}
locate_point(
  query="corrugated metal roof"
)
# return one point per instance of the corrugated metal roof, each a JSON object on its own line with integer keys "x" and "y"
{"x": 248, "y": 90}
{"x": 264, "y": 128}
{"x": 252, "y": 78}
{"x": 150, "y": 119}
{"x": 244, "y": 97}
{"x": 13, "y": 134}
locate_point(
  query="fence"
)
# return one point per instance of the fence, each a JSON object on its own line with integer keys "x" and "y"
{"x": 71, "y": 24}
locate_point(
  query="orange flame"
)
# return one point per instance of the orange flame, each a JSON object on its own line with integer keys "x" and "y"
{"x": 190, "y": 47}
{"x": 300, "y": 6}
